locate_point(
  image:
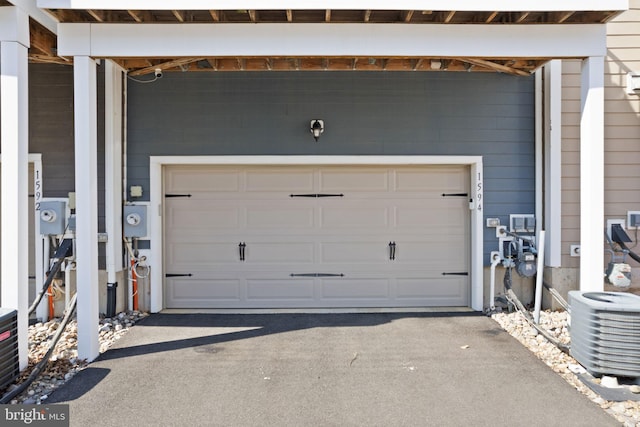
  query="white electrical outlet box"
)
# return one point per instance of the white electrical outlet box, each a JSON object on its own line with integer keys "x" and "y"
{"x": 611, "y": 222}
{"x": 633, "y": 83}
{"x": 493, "y": 222}
{"x": 633, "y": 220}
{"x": 575, "y": 250}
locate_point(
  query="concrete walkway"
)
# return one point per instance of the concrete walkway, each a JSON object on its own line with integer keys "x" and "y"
{"x": 392, "y": 369}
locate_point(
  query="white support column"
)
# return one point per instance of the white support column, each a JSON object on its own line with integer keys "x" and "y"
{"x": 592, "y": 175}
{"x": 113, "y": 169}
{"x": 86, "y": 180}
{"x": 553, "y": 162}
{"x": 14, "y": 133}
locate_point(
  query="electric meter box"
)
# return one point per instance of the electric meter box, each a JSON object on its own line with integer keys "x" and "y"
{"x": 52, "y": 217}
{"x": 135, "y": 220}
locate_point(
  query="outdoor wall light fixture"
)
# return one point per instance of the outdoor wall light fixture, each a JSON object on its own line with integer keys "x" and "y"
{"x": 316, "y": 128}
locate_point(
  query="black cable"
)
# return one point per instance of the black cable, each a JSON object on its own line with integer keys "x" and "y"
{"x": 47, "y": 283}
{"x": 43, "y": 363}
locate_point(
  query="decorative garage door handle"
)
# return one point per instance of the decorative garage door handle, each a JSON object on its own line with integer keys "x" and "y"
{"x": 316, "y": 275}
{"x": 460, "y": 273}
{"x": 178, "y": 275}
{"x": 241, "y": 247}
{"x": 392, "y": 250}
{"x": 316, "y": 195}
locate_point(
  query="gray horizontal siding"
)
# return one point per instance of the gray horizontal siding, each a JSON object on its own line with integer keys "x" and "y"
{"x": 491, "y": 115}
{"x": 51, "y": 131}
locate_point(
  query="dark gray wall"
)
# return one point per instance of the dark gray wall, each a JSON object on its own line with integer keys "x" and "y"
{"x": 51, "y": 131}
{"x": 402, "y": 113}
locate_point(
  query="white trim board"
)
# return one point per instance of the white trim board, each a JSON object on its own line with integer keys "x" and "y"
{"x": 295, "y": 39}
{"x": 458, "y": 5}
{"x": 156, "y": 164}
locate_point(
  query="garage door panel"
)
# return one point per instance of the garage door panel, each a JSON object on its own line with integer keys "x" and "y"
{"x": 194, "y": 254}
{"x": 448, "y": 289}
{"x": 351, "y": 252}
{"x": 201, "y": 179}
{"x": 281, "y": 253}
{"x": 342, "y": 181}
{"x": 356, "y": 288}
{"x": 353, "y": 217}
{"x": 346, "y": 238}
{"x": 279, "y": 217}
{"x": 186, "y": 214}
{"x": 442, "y": 217}
{"x": 437, "y": 179}
{"x": 184, "y": 292}
{"x": 437, "y": 252}
{"x": 282, "y": 289}
{"x": 279, "y": 180}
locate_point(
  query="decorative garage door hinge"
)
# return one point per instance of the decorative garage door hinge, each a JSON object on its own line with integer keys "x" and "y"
{"x": 177, "y": 195}
{"x": 316, "y": 275}
{"x": 316, "y": 195}
{"x": 455, "y": 195}
{"x": 459, "y": 273}
{"x": 178, "y": 275}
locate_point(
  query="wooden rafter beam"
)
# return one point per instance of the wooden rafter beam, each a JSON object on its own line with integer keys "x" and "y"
{"x": 367, "y": 15}
{"x": 96, "y": 14}
{"x": 267, "y": 63}
{"x": 491, "y": 17}
{"x": 165, "y": 66}
{"x": 327, "y": 15}
{"x": 42, "y": 40}
{"x": 136, "y": 15}
{"x": 253, "y": 15}
{"x": 449, "y": 16}
{"x": 495, "y": 66}
{"x": 354, "y": 63}
{"x": 213, "y": 62}
{"x": 522, "y": 17}
{"x": 46, "y": 59}
{"x": 418, "y": 64}
{"x": 565, "y": 16}
{"x": 289, "y": 15}
{"x": 179, "y": 14}
{"x": 215, "y": 15}
{"x": 407, "y": 15}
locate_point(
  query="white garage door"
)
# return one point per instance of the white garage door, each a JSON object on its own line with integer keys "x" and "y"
{"x": 299, "y": 237}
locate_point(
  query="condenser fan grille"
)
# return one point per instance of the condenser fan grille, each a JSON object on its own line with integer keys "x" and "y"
{"x": 605, "y": 332}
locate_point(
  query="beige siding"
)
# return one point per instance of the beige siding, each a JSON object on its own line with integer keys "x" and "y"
{"x": 622, "y": 131}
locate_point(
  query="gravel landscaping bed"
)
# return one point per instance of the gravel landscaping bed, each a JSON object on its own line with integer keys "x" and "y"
{"x": 64, "y": 363}
{"x": 627, "y": 412}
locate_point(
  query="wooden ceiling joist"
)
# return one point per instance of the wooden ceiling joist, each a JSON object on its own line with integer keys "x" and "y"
{"x": 179, "y": 14}
{"x": 97, "y": 15}
{"x": 136, "y": 15}
{"x": 449, "y": 17}
{"x": 495, "y": 66}
{"x": 407, "y": 15}
{"x": 215, "y": 15}
{"x": 491, "y": 17}
{"x": 164, "y": 66}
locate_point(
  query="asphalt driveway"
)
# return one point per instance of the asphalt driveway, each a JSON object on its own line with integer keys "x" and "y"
{"x": 384, "y": 369}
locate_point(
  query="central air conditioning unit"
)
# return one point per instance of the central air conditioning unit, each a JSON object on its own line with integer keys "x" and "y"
{"x": 9, "y": 361}
{"x": 605, "y": 332}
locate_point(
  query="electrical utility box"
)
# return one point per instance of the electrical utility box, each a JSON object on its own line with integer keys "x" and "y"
{"x": 52, "y": 217}
{"x": 135, "y": 221}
